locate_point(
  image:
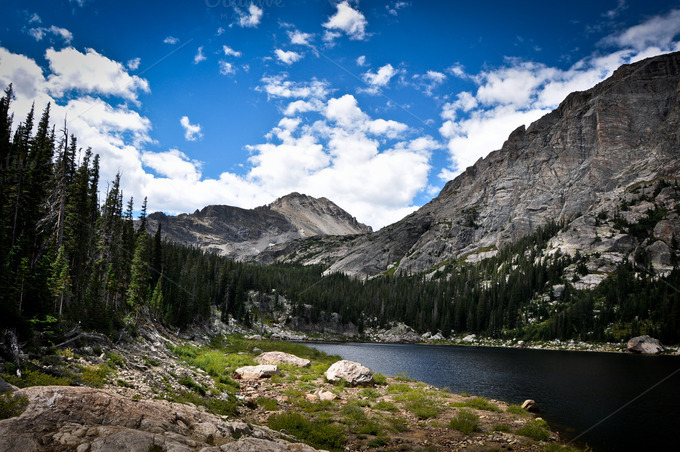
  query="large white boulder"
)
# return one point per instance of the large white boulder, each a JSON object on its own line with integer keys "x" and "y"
{"x": 282, "y": 358}
{"x": 353, "y": 373}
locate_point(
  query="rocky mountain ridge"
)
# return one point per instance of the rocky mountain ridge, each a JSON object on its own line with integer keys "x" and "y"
{"x": 582, "y": 165}
{"x": 243, "y": 233}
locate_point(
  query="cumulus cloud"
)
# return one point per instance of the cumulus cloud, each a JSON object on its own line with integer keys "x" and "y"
{"x": 287, "y": 57}
{"x": 361, "y": 61}
{"x": 133, "y": 64}
{"x": 375, "y": 81}
{"x": 226, "y": 68}
{"x": 199, "y": 55}
{"x": 91, "y": 72}
{"x": 173, "y": 164}
{"x": 40, "y": 32}
{"x": 348, "y": 21}
{"x": 278, "y": 86}
{"x": 300, "y": 38}
{"x": 191, "y": 131}
{"x": 251, "y": 18}
{"x": 658, "y": 31}
{"x": 429, "y": 81}
{"x": 228, "y": 51}
{"x": 170, "y": 40}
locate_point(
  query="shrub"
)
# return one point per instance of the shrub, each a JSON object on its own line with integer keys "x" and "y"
{"x": 370, "y": 393}
{"x": 397, "y": 424}
{"x": 465, "y": 421}
{"x": 516, "y": 409}
{"x": 116, "y": 359}
{"x": 402, "y": 376}
{"x": 191, "y": 384}
{"x": 398, "y": 388}
{"x": 380, "y": 379}
{"x": 36, "y": 378}
{"x": 11, "y": 406}
{"x": 479, "y": 403}
{"x": 321, "y": 435}
{"x": 420, "y": 402}
{"x": 95, "y": 376}
{"x": 385, "y": 405}
{"x": 267, "y": 403}
{"x": 502, "y": 428}
{"x": 536, "y": 430}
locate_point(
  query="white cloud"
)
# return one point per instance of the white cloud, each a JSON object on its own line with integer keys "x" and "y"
{"x": 133, "y": 64}
{"x": 40, "y": 32}
{"x": 299, "y": 38}
{"x": 279, "y": 87}
{"x": 35, "y": 19}
{"x": 615, "y": 12}
{"x": 251, "y": 18}
{"x": 173, "y": 164}
{"x": 228, "y": 51}
{"x": 361, "y": 61}
{"x": 347, "y": 20}
{"x": 170, "y": 40}
{"x": 191, "y": 131}
{"x": 199, "y": 55}
{"x": 287, "y": 57}
{"x": 378, "y": 80}
{"x": 394, "y": 8}
{"x": 220, "y": 31}
{"x": 302, "y": 106}
{"x": 429, "y": 81}
{"x": 91, "y": 73}
{"x": 658, "y": 31}
{"x": 226, "y": 68}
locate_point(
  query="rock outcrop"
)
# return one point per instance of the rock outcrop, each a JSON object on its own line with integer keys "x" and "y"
{"x": 282, "y": 358}
{"x": 645, "y": 344}
{"x": 244, "y": 233}
{"x": 586, "y": 158}
{"x": 94, "y": 420}
{"x": 256, "y": 372}
{"x": 353, "y": 373}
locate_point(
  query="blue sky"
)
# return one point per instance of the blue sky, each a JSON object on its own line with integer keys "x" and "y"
{"x": 372, "y": 104}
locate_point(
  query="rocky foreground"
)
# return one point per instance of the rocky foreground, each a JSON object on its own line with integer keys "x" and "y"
{"x": 157, "y": 392}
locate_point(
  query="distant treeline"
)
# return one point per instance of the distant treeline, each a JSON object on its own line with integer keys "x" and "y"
{"x": 66, "y": 256}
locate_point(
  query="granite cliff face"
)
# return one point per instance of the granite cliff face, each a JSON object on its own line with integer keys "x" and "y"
{"x": 244, "y": 233}
{"x": 600, "y": 151}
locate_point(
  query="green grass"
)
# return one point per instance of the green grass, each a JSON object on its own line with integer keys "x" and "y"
{"x": 423, "y": 403}
{"x": 12, "y": 406}
{"x": 95, "y": 376}
{"x": 517, "y": 409}
{"x": 370, "y": 393}
{"x": 465, "y": 421}
{"x": 36, "y": 378}
{"x": 479, "y": 403}
{"x": 536, "y": 430}
{"x": 267, "y": 403}
{"x": 322, "y": 435}
{"x": 380, "y": 379}
{"x": 191, "y": 384}
{"x": 385, "y": 405}
{"x": 501, "y": 428}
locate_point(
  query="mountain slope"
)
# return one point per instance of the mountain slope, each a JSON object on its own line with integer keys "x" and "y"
{"x": 582, "y": 158}
{"x": 243, "y": 233}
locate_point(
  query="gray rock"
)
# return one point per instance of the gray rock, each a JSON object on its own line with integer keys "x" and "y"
{"x": 282, "y": 358}
{"x": 263, "y": 445}
{"x": 353, "y": 373}
{"x": 645, "y": 344}
{"x": 6, "y": 387}
{"x": 256, "y": 372}
{"x": 530, "y": 405}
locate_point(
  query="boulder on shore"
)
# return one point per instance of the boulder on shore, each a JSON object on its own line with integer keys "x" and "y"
{"x": 530, "y": 405}
{"x": 645, "y": 344}
{"x": 281, "y": 358}
{"x": 256, "y": 372}
{"x": 353, "y": 373}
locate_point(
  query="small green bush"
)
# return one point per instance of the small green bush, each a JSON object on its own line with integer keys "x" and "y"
{"x": 95, "y": 376}
{"x": 502, "y": 428}
{"x": 370, "y": 393}
{"x": 317, "y": 434}
{"x": 536, "y": 430}
{"x": 465, "y": 421}
{"x": 191, "y": 384}
{"x": 36, "y": 378}
{"x": 267, "y": 403}
{"x": 380, "y": 379}
{"x": 11, "y": 406}
{"x": 116, "y": 359}
{"x": 516, "y": 409}
{"x": 398, "y": 388}
{"x": 397, "y": 424}
{"x": 479, "y": 403}
{"x": 385, "y": 405}
{"x": 402, "y": 376}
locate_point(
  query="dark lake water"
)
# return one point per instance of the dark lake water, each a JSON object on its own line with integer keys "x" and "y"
{"x": 611, "y": 401}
